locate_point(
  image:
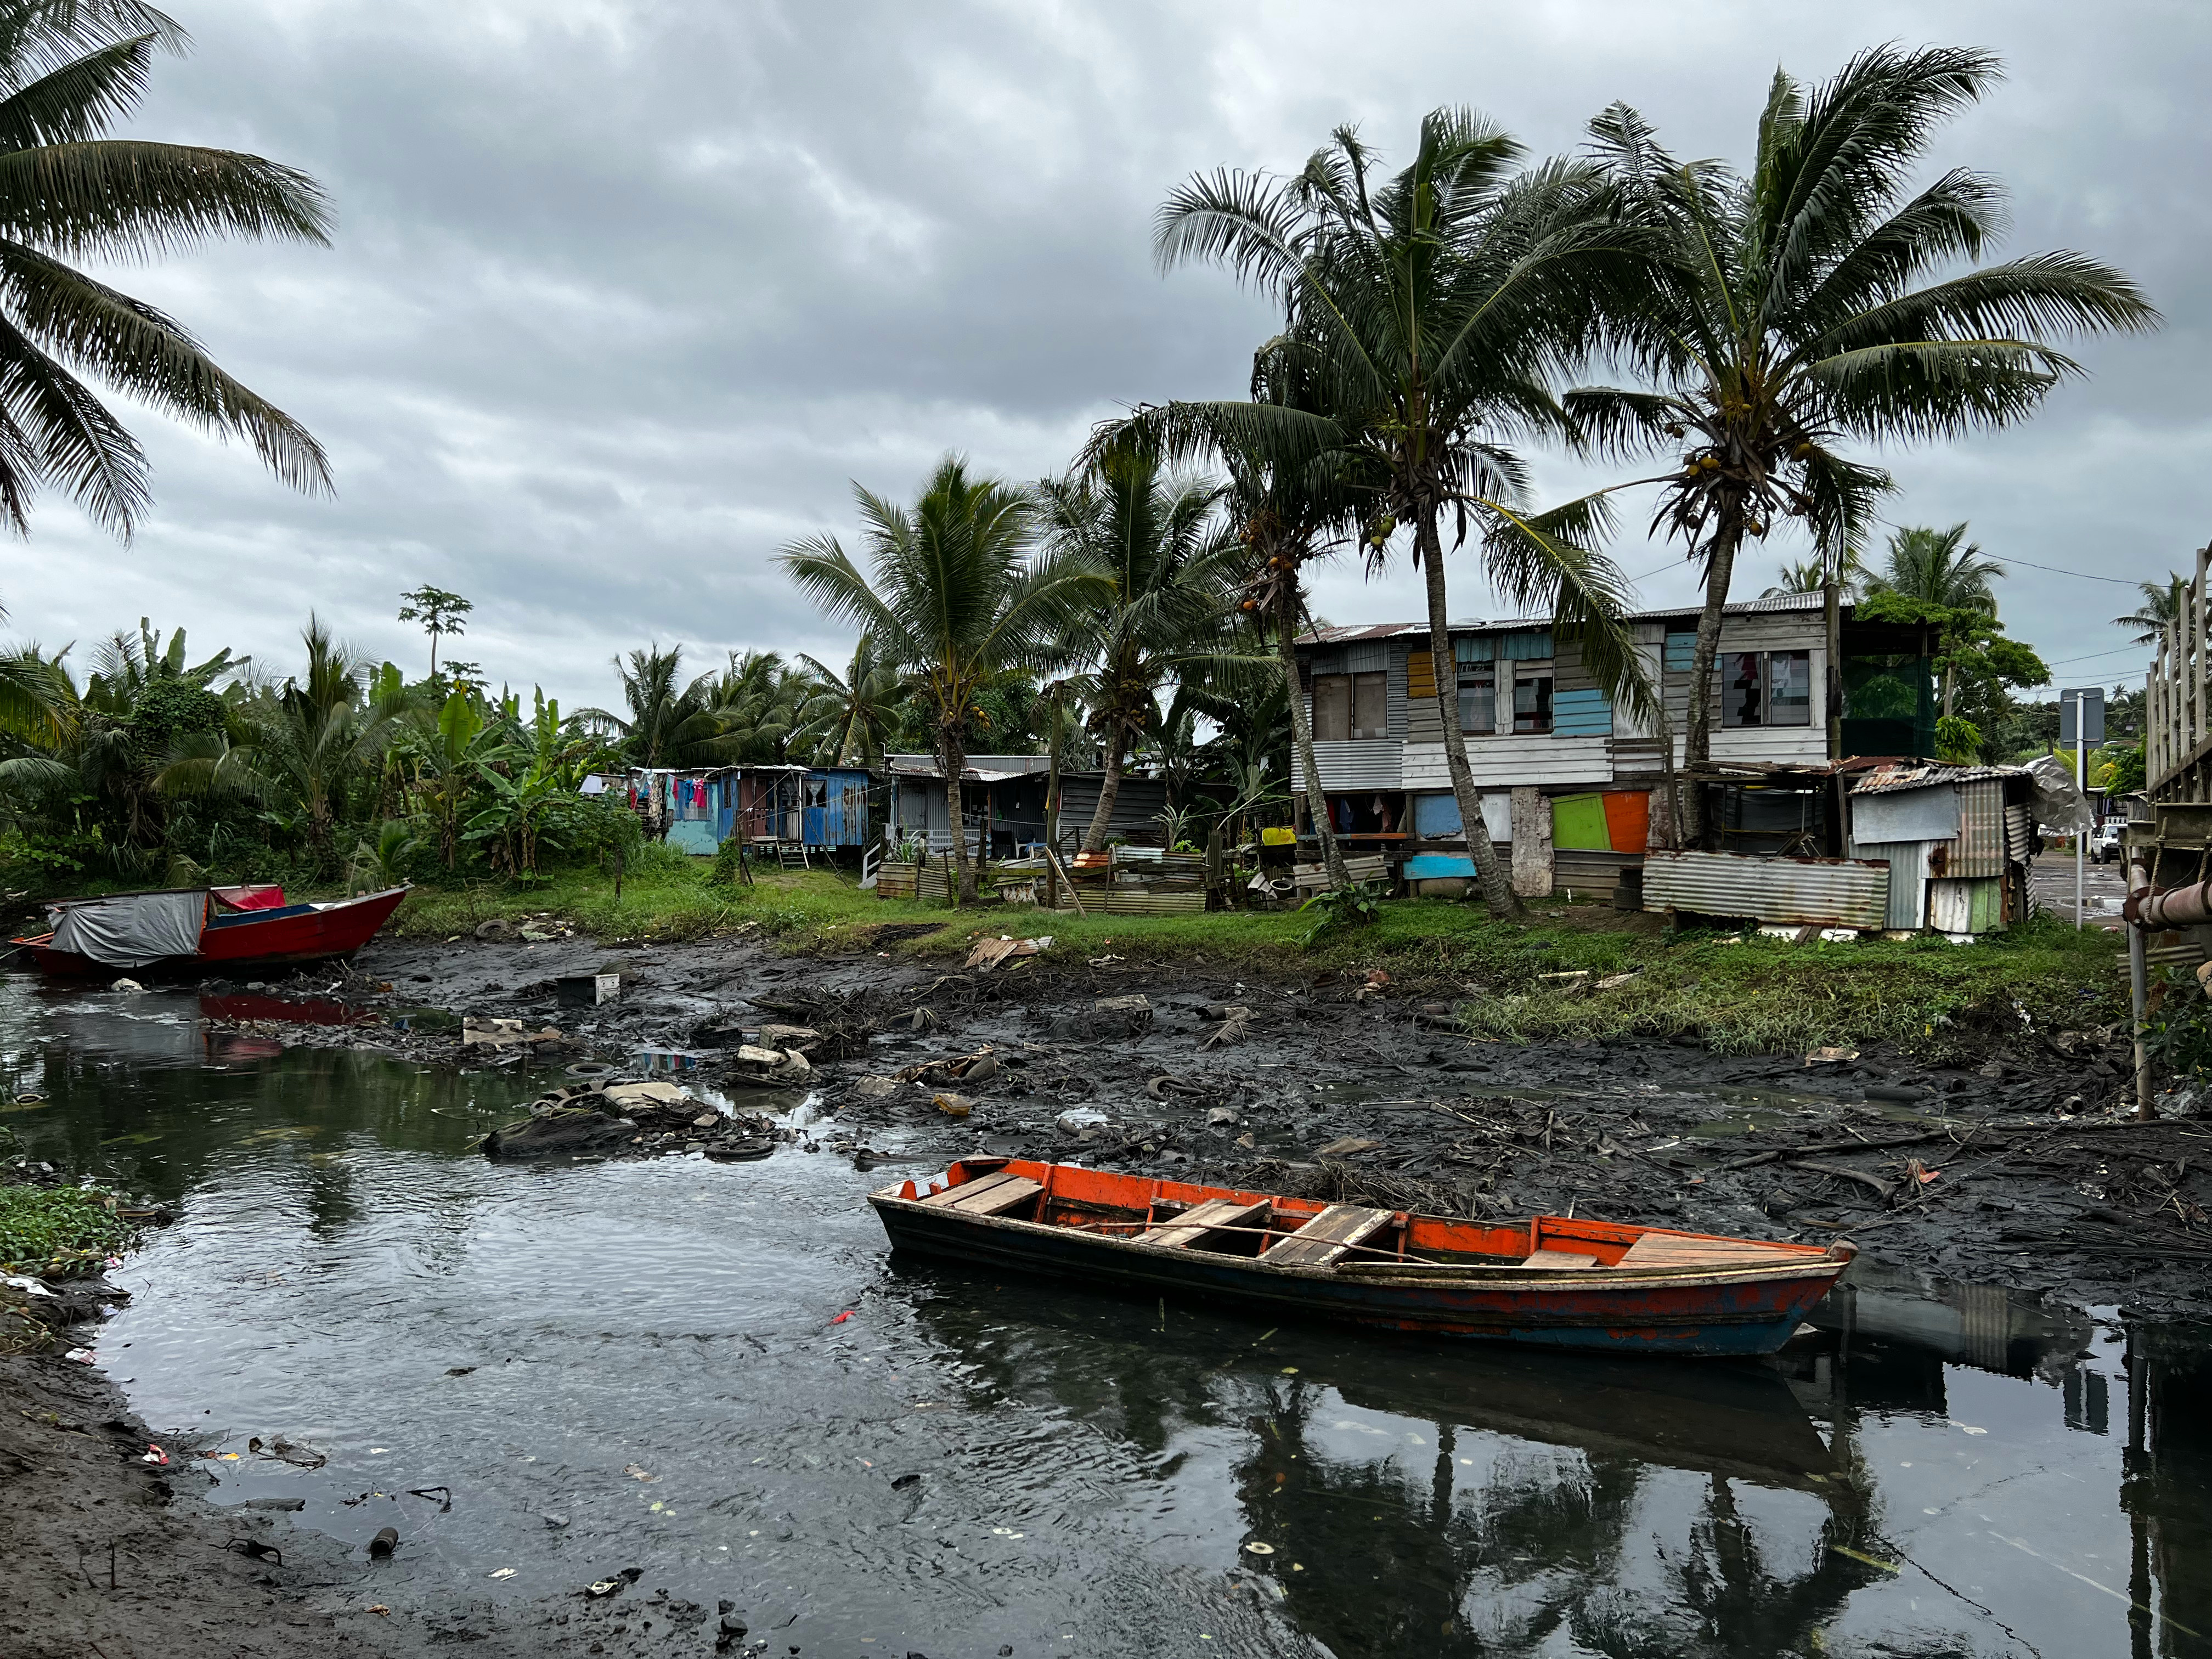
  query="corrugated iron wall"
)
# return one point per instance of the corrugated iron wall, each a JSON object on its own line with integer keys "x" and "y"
{"x": 1830, "y": 892}
{"x": 1370, "y": 763}
{"x": 1908, "y": 879}
{"x": 1980, "y": 848}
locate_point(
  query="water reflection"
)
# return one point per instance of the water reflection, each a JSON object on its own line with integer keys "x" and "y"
{"x": 1940, "y": 1470}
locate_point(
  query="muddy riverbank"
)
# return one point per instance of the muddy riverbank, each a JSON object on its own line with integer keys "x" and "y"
{"x": 546, "y": 1374}
{"x": 2012, "y": 1165}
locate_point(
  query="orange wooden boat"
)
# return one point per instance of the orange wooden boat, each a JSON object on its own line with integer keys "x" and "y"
{"x": 1551, "y": 1280}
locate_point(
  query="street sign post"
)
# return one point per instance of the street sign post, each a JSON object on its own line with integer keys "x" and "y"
{"x": 2080, "y": 722}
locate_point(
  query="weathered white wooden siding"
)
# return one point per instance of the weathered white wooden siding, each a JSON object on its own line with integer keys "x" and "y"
{"x": 1412, "y": 755}
{"x": 1502, "y": 762}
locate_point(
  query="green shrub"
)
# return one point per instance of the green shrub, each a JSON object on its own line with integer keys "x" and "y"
{"x": 59, "y": 1230}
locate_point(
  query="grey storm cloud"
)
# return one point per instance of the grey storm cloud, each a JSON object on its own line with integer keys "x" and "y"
{"x": 623, "y": 296}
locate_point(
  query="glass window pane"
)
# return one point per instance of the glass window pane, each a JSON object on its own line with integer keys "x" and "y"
{"x": 1532, "y": 705}
{"x": 1370, "y": 695}
{"x": 1332, "y": 708}
{"x": 1743, "y": 686}
{"x": 1789, "y": 688}
{"x": 1478, "y": 699}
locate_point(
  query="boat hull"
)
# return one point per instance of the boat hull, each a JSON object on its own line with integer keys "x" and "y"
{"x": 251, "y": 940}
{"x": 1722, "y": 1313}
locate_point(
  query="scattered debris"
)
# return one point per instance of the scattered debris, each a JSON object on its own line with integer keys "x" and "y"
{"x": 284, "y": 1451}
{"x": 990, "y": 952}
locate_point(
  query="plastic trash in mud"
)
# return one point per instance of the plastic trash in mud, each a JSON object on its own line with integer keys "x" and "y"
{"x": 971, "y": 1069}
{"x": 587, "y": 990}
{"x": 656, "y": 1060}
{"x": 953, "y": 1105}
{"x": 1081, "y": 1120}
{"x": 1347, "y": 1147}
{"x": 1831, "y": 1056}
{"x": 381, "y": 1545}
{"x": 127, "y": 985}
{"x": 769, "y": 1068}
{"x": 873, "y": 1088}
{"x": 153, "y": 1454}
{"x": 502, "y": 1033}
{"x": 282, "y": 1450}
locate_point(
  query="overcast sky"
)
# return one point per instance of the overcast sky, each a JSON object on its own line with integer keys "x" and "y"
{"x": 623, "y": 294}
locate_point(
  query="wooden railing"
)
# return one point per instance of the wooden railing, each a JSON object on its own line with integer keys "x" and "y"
{"x": 2178, "y": 733}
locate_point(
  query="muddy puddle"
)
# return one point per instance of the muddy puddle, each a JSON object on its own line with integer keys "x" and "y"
{"x": 598, "y": 1365}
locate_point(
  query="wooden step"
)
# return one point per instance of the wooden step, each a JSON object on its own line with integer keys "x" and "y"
{"x": 1196, "y": 1222}
{"x": 1328, "y": 1236}
{"x": 991, "y": 1194}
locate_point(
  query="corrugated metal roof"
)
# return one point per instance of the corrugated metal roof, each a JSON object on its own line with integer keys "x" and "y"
{"x": 1830, "y": 892}
{"x": 1481, "y": 625}
{"x": 1921, "y": 774}
{"x": 997, "y": 766}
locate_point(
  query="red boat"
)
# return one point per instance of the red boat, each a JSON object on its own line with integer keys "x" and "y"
{"x": 190, "y": 930}
{"x": 1550, "y": 1281}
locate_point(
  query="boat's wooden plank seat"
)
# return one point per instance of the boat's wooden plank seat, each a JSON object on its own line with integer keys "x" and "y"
{"x": 1558, "y": 1259}
{"x": 1658, "y": 1250}
{"x": 1327, "y": 1237}
{"x": 1195, "y": 1223}
{"x": 991, "y": 1194}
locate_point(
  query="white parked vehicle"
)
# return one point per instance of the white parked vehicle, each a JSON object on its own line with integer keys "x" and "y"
{"x": 2105, "y": 842}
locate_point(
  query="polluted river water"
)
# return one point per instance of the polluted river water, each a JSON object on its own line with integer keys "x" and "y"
{"x": 715, "y": 1374}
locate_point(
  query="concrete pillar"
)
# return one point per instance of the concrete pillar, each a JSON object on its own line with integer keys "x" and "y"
{"x": 1532, "y": 842}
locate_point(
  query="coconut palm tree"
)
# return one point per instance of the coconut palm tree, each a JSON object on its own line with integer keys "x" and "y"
{"x": 1939, "y": 566}
{"x": 671, "y": 722}
{"x": 69, "y": 69}
{"x": 1431, "y": 311}
{"x": 1290, "y": 504}
{"x": 1794, "y": 309}
{"x": 1813, "y": 575}
{"x": 849, "y": 717}
{"x": 958, "y": 593}
{"x": 2162, "y": 604}
{"x": 760, "y": 698}
{"x": 302, "y": 746}
{"x": 1165, "y": 550}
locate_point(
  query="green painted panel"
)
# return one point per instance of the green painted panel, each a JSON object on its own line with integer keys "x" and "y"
{"x": 1579, "y": 823}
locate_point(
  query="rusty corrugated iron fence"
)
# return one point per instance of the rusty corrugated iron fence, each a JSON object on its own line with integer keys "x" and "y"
{"x": 1826, "y": 892}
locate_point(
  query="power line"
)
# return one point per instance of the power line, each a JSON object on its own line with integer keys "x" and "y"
{"x": 2096, "y": 655}
{"x": 2117, "y": 581}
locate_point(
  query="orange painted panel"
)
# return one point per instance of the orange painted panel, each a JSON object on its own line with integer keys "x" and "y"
{"x": 1628, "y": 821}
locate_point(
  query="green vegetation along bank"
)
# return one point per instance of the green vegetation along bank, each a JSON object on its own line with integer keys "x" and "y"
{"x": 1559, "y": 977}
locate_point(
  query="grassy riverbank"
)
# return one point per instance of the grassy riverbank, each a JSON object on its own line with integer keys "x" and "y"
{"x": 1927, "y": 996}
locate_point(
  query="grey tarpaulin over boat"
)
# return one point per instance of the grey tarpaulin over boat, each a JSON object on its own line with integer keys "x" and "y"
{"x": 133, "y": 929}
